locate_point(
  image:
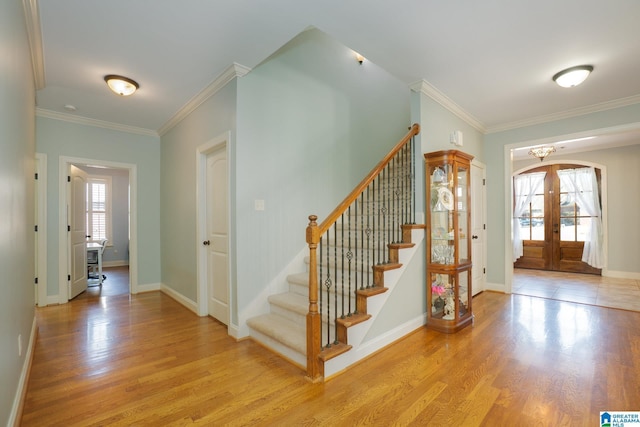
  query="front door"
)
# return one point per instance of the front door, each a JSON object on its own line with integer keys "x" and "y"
{"x": 78, "y": 232}
{"x": 217, "y": 235}
{"x": 553, "y": 227}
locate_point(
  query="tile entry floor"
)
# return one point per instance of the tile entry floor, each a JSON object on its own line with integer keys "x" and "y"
{"x": 580, "y": 288}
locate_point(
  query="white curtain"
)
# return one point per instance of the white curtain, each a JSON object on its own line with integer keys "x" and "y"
{"x": 584, "y": 184}
{"x": 525, "y": 187}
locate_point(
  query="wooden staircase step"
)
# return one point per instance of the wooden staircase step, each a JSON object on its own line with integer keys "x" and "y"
{"x": 335, "y": 350}
{"x": 291, "y": 301}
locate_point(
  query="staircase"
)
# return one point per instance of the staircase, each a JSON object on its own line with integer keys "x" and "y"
{"x": 355, "y": 257}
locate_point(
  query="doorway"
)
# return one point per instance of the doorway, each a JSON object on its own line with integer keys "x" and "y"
{"x": 214, "y": 255}
{"x": 66, "y": 205}
{"x": 552, "y": 226}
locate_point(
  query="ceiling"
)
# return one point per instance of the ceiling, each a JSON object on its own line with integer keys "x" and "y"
{"x": 492, "y": 59}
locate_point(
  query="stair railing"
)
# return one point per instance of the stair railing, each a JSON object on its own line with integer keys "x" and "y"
{"x": 352, "y": 239}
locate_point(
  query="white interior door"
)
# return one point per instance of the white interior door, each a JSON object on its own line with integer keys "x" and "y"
{"x": 78, "y": 232}
{"x": 477, "y": 228}
{"x": 217, "y": 235}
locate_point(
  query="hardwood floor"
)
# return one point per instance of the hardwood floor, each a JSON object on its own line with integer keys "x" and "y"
{"x": 146, "y": 360}
{"x": 116, "y": 283}
{"x": 581, "y": 288}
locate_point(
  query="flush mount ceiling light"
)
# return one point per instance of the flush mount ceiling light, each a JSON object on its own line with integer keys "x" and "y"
{"x": 123, "y": 86}
{"x": 542, "y": 151}
{"x": 573, "y": 76}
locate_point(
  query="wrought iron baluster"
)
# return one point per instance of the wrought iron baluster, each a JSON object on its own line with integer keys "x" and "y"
{"x": 349, "y": 256}
{"x": 335, "y": 289}
{"x": 413, "y": 181}
{"x": 361, "y": 246}
{"x": 368, "y": 232}
{"x": 388, "y": 208}
{"x": 398, "y": 195}
{"x": 327, "y": 285}
{"x": 342, "y": 264}
{"x": 405, "y": 188}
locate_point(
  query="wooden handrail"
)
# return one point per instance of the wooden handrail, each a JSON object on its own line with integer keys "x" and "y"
{"x": 342, "y": 207}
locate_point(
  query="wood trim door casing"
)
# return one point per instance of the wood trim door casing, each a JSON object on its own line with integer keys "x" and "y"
{"x": 552, "y": 253}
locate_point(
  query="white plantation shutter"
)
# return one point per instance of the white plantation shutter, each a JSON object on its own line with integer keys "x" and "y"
{"x": 99, "y": 208}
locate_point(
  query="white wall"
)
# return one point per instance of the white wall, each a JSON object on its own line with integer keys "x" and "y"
{"x": 312, "y": 122}
{"x": 498, "y": 174}
{"x": 58, "y": 138}
{"x": 17, "y": 154}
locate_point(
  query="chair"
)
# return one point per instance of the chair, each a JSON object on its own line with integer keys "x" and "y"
{"x": 94, "y": 263}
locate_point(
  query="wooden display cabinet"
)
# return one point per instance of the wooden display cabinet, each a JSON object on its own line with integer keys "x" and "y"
{"x": 448, "y": 240}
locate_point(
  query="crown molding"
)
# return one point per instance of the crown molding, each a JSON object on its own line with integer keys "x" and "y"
{"x": 426, "y": 88}
{"x": 233, "y": 71}
{"x": 603, "y": 106}
{"x": 34, "y": 34}
{"x": 93, "y": 122}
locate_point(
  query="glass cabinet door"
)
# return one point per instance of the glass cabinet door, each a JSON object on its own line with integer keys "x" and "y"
{"x": 462, "y": 212}
{"x": 442, "y": 226}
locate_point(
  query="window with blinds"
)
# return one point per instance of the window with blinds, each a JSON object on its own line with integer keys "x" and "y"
{"x": 99, "y": 208}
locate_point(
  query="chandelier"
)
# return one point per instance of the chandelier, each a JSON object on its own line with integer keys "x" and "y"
{"x": 542, "y": 151}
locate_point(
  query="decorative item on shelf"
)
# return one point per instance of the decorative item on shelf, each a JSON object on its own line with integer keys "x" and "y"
{"x": 442, "y": 254}
{"x": 439, "y": 176}
{"x": 440, "y": 293}
{"x": 445, "y": 198}
{"x": 449, "y": 309}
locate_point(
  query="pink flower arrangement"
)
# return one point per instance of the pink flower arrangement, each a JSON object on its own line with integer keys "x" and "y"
{"x": 437, "y": 289}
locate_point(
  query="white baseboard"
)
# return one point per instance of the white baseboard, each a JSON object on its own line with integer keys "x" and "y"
{"x": 621, "y": 274}
{"x": 188, "y": 303}
{"x": 18, "y": 400}
{"x": 117, "y": 263}
{"x": 53, "y": 299}
{"x": 496, "y": 287}
{"x": 234, "y": 331}
{"x": 147, "y": 287}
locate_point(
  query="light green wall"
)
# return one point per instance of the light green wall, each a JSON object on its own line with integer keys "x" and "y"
{"x": 17, "y": 168}
{"x": 497, "y": 177}
{"x": 436, "y": 125}
{"x": 178, "y": 182}
{"x": 311, "y": 123}
{"x": 57, "y": 138}
{"x": 622, "y": 166}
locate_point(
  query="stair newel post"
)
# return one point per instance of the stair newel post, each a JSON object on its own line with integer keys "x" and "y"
{"x": 314, "y": 365}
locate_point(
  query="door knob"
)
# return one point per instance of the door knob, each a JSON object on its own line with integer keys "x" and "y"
{"x": 474, "y": 237}
{"x": 206, "y": 243}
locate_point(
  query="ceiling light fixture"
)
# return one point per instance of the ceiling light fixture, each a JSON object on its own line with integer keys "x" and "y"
{"x": 542, "y": 151}
{"x": 359, "y": 58}
{"x": 123, "y": 86}
{"x": 573, "y": 76}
